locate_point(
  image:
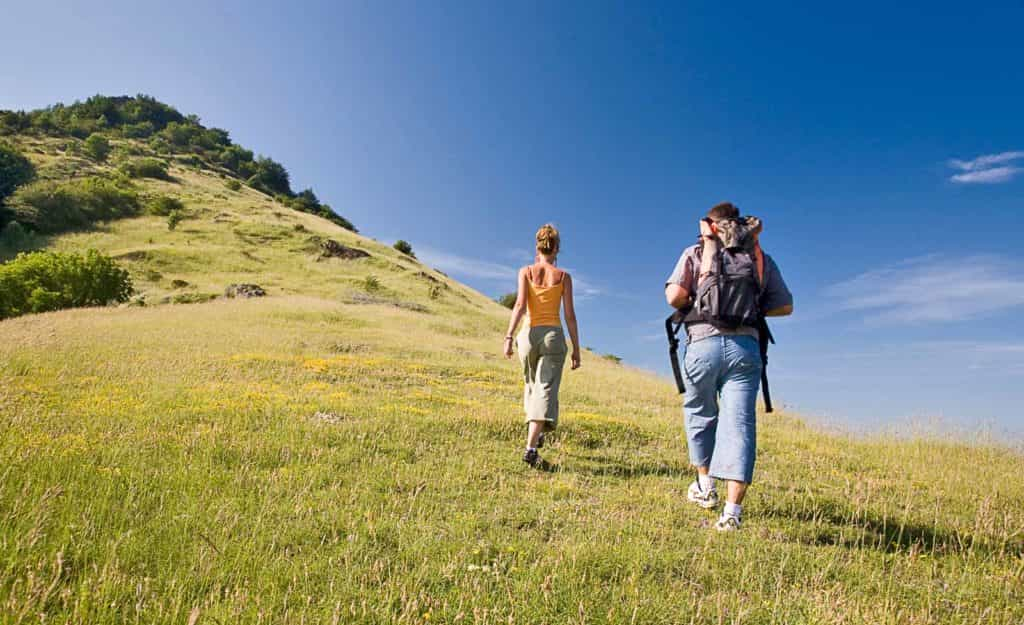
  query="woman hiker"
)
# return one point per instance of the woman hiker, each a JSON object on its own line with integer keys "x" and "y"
{"x": 543, "y": 287}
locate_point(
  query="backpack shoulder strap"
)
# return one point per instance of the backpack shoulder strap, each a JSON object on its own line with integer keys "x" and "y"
{"x": 759, "y": 261}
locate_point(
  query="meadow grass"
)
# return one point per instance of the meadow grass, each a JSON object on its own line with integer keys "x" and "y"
{"x": 318, "y": 457}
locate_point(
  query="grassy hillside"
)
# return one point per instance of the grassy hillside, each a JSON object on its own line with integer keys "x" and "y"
{"x": 347, "y": 450}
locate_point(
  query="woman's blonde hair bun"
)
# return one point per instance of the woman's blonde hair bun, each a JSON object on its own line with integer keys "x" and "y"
{"x": 548, "y": 240}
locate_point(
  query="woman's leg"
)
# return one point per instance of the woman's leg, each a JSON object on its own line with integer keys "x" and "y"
{"x": 533, "y": 433}
{"x": 553, "y": 349}
{"x": 528, "y": 356}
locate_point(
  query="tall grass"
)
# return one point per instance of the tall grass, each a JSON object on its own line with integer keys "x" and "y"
{"x": 297, "y": 460}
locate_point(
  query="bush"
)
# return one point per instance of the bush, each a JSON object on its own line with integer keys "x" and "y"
{"x": 15, "y": 170}
{"x": 237, "y": 159}
{"x": 271, "y": 177}
{"x": 158, "y": 145}
{"x": 140, "y": 130}
{"x": 371, "y": 284}
{"x": 507, "y": 300}
{"x": 163, "y": 205}
{"x": 97, "y": 147}
{"x": 146, "y": 168}
{"x": 404, "y": 247}
{"x": 179, "y": 134}
{"x": 15, "y": 238}
{"x": 191, "y": 160}
{"x": 173, "y": 219}
{"x": 50, "y": 207}
{"x": 43, "y": 281}
{"x": 233, "y": 185}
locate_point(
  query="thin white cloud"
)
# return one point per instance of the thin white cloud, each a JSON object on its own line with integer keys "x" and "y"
{"x": 583, "y": 288}
{"x": 933, "y": 289}
{"x": 1000, "y": 357}
{"x": 987, "y": 169}
{"x": 977, "y": 348}
{"x": 519, "y": 255}
{"x": 462, "y": 266}
{"x": 466, "y": 267}
{"x": 987, "y": 176}
{"x": 986, "y": 161}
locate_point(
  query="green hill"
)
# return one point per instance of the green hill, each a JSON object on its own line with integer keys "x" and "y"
{"x": 346, "y": 449}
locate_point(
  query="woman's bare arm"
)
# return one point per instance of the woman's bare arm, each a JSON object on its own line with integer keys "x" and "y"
{"x": 570, "y": 321}
{"x": 518, "y": 309}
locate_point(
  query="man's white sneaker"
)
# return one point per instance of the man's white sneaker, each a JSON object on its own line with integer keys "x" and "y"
{"x": 727, "y": 523}
{"x": 703, "y": 498}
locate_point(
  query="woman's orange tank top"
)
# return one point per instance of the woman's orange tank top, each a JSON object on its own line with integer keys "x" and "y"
{"x": 543, "y": 303}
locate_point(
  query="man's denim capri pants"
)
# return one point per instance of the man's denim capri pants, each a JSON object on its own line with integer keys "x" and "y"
{"x": 722, "y": 374}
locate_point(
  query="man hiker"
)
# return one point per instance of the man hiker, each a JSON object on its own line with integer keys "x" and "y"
{"x": 724, "y": 286}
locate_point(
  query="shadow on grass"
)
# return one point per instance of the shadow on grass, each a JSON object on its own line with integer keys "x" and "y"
{"x": 548, "y": 467}
{"x": 603, "y": 466}
{"x": 831, "y": 524}
{"x": 30, "y": 243}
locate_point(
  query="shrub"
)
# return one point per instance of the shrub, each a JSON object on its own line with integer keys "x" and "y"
{"x": 15, "y": 170}
{"x": 164, "y": 205}
{"x": 306, "y": 201}
{"x": 271, "y": 177}
{"x": 191, "y": 160}
{"x": 15, "y": 238}
{"x": 613, "y": 358}
{"x": 173, "y": 219}
{"x": 233, "y": 185}
{"x": 507, "y": 300}
{"x": 179, "y": 133}
{"x": 140, "y": 130}
{"x": 50, "y": 207}
{"x": 371, "y": 284}
{"x": 146, "y": 168}
{"x": 404, "y": 247}
{"x": 97, "y": 147}
{"x": 237, "y": 159}
{"x": 44, "y": 281}
{"x": 158, "y": 145}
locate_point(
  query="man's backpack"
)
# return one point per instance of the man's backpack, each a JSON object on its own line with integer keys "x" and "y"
{"x": 728, "y": 297}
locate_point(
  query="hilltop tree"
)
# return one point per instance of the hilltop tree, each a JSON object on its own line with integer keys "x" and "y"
{"x": 97, "y": 147}
{"x": 306, "y": 201}
{"x": 271, "y": 176}
{"x": 234, "y": 157}
{"x": 404, "y": 247}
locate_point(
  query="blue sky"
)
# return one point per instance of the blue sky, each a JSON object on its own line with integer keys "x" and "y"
{"x": 881, "y": 145}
